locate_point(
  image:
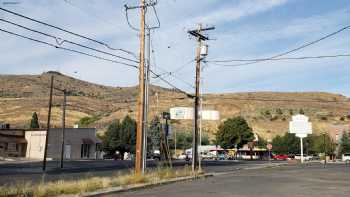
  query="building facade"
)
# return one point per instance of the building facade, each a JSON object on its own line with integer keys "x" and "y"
{"x": 12, "y": 143}
{"x": 79, "y": 143}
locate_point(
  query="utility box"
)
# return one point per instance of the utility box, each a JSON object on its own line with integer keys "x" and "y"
{"x": 204, "y": 50}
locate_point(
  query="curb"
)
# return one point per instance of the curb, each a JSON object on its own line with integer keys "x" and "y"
{"x": 120, "y": 189}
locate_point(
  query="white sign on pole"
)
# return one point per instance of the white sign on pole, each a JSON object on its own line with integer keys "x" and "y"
{"x": 301, "y": 126}
{"x": 186, "y": 113}
{"x": 210, "y": 115}
{"x": 181, "y": 113}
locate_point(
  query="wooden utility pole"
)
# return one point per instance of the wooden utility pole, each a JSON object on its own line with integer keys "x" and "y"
{"x": 63, "y": 124}
{"x": 196, "y": 104}
{"x": 48, "y": 124}
{"x": 140, "y": 115}
{"x": 198, "y": 34}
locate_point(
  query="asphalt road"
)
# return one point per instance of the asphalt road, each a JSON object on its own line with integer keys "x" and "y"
{"x": 286, "y": 181}
{"x": 12, "y": 173}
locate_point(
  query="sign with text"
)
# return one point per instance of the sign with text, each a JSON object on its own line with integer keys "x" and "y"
{"x": 300, "y": 125}
{"x": 186, "y": 113}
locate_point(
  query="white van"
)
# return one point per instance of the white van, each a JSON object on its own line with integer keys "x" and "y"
{"x": 346, "y": 157}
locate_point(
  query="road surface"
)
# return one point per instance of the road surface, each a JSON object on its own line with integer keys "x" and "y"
{"x": 11, "y": 173}
{"x": 286, "y": 181}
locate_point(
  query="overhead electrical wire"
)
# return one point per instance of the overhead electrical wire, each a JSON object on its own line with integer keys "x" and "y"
{"x": 95, "y": 16}
{"x": 280, "y": 59}
{"x": 61, "y": 41}
{"x": 67, "y": 31}
{"x": 288, "y": 52}
{"x": 165, "y": 71}
{"x": 67, "y": 49}
{"x": 94, "y": 56}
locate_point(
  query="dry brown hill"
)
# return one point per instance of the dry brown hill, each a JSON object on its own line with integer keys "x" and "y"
{"x": 267, "y": 112}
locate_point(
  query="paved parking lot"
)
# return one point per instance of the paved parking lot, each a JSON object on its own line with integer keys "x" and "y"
{"x": 287, "y": 181}
{"x": 11, "y": 173}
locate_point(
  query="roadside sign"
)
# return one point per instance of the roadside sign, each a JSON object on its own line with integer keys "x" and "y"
{"x": 181, "y": 113}
{"x": 269, "y": 146}
{"x": 210, "y": 115}
{"x": 187, "y": 113}
{"x": 300, "y": 125}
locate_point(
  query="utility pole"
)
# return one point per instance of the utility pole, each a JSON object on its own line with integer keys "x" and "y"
{"x": 200, "y": 37}
{"x": 63, "y": 124}
{"x": 140, "y": 116}
{"x": 48, "y": 124}
{"x": 143, "y": 101}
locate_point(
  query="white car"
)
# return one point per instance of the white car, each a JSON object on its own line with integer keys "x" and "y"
{"x": 346, "y": 157}
{"x": 306, "y": 157}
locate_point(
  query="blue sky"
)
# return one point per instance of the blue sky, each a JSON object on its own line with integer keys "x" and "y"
{"x": 244, "y": 29}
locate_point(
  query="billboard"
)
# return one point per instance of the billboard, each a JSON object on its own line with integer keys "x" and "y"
{"x": 186, "y": 113}
{"x": 210, "y": 115}
{"x": 181, "y": 113}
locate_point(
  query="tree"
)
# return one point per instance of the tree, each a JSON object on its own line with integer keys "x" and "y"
{"x": 234, "y": 132}
{"x": 34, "y": 123}
{"x": 261, "y": 142}
{"x": 287, "y": 144}
{"x": 301, "y": 111}
{"x": 120, "y": 136}
{"x": 344, "y": 144}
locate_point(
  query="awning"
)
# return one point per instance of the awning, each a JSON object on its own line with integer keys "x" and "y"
{"x": 88, "y": 141}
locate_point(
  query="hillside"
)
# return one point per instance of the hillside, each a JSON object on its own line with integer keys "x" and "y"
{"x": 267, "y": 112}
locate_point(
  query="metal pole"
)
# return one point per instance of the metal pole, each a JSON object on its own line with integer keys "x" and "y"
{"x": 48, "y": 124}
{"x": 325, "y": 150}
{"x": 175, "y": 142}
{"x": 63, "y": 124}
{"x": 140, "y": 116}
{"x": 200, "y": 136}
{"x": 196, "y": 105}
{"x": 145, "y": 126}
{"x": 301, "y": 150}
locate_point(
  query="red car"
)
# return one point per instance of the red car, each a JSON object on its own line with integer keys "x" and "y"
{"x": 280, "y": 157}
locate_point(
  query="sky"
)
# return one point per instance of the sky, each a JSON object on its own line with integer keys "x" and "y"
{"x": 244, "y": 29}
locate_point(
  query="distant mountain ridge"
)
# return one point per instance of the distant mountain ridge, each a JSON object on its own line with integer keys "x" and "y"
{"x": 267, "y": 112}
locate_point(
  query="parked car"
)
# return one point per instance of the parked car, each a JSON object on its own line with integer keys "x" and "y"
{"x": 280, "y": 157}
{"x": 182, "y": 156}
{"x": 306, "y": 157}
{"x": 346, "y": 157}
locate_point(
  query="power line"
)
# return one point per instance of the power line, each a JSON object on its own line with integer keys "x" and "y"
{"x": 94, "y": 56}
{"x": 281, "y": 100}
{"x": 70, "y": 32}
{"x": 279, "y": 59}
{"x": 290, "y": 51}
{"x": 167, "y": 72}
{"x": 174, "y": 76}
{"x": 171, "y": 85}
{"x": 95, "y": 16}
{"x": 67, "y": 49}
{"x": 61, "y": 41}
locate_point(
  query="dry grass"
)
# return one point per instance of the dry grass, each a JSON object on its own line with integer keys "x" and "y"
{"x": 91, "y": 184}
